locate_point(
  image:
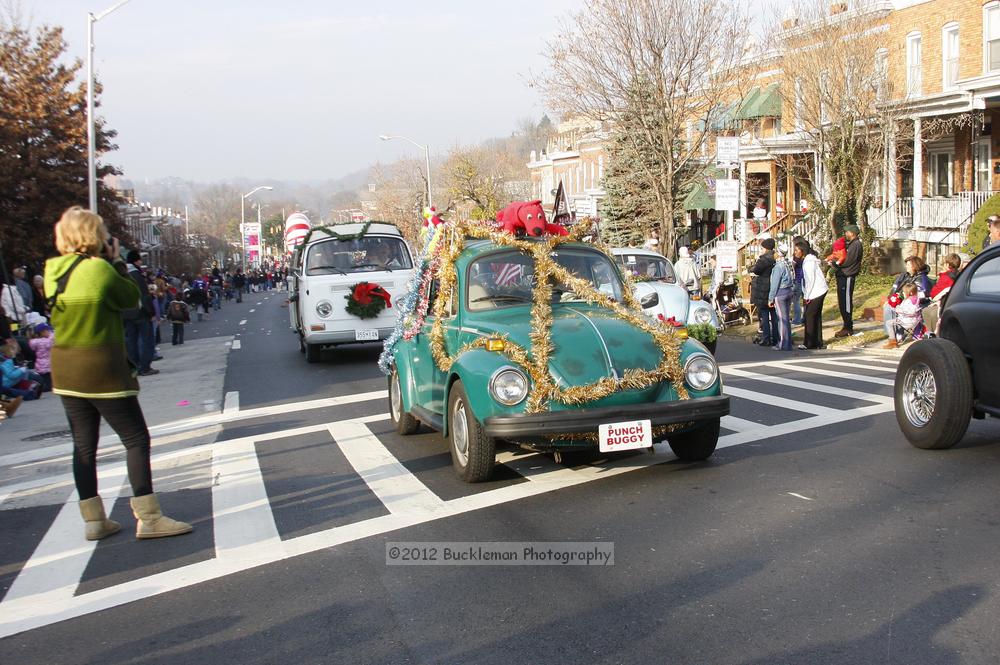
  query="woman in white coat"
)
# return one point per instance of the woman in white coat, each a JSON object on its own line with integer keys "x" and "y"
{"x": 814, "y": 290}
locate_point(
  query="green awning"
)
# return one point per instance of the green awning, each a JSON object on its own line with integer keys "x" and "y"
{"x": 699, "y": 199}
{"x": 767, "y": 104}
{"x": 747, "y": 104}
{"x": 702, "y": 195}
{"x": 721, "y": 117}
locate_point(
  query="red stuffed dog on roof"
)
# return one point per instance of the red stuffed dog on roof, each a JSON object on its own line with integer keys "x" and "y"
{"x": 527, "y": 218}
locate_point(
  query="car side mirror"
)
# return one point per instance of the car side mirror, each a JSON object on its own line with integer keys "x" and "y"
{"x": 650, "y": 300}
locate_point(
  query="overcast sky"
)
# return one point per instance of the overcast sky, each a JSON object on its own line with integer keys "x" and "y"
{"x": 300, "y": 89}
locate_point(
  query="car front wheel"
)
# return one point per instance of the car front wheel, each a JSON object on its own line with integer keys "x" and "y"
{"x": 473, "y": 453}
{"x": 933, "y": 394}
{"x": 404, "y": 422}
{"x": 696, "y": 445}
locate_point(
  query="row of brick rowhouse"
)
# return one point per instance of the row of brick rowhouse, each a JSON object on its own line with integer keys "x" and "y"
{"x": 935, "y": 67}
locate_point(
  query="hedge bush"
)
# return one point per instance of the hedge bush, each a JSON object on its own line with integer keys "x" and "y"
{"x": 978, "y": 230}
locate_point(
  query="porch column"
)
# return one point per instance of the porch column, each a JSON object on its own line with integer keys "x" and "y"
{"x": 743, "y": 202}
{"x": 791, "y": 205}
{"x": 891, "y": 172}
{"x": 918, "y": 172}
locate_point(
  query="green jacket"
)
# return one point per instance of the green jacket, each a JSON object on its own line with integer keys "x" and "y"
{"x": 88, "y": 357}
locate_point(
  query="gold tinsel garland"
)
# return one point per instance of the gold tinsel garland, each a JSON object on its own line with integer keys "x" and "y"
{"x": 536, "y": 363}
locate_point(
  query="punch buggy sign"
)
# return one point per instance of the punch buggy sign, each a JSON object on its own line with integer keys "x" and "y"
{"x": 625, "y": 436}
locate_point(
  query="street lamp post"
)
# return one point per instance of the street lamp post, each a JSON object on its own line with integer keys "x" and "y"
{"x": 427, "y": 160}
{"x": 243, "y": 221}
{"x": 91, "y": 125}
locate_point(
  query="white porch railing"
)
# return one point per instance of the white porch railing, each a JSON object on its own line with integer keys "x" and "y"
{"x": 950, "y": 214}
{"x": 888, "y": 221}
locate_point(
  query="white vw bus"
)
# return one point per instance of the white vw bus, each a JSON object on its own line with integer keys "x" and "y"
{"x": 324, "y": 272}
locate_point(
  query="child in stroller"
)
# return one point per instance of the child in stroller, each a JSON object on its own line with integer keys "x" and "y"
{"x": 729, "y": 305}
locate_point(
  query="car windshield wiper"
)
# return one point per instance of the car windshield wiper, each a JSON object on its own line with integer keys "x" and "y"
{"x": 328, "y": 268}
{"x": 502, "y": 296}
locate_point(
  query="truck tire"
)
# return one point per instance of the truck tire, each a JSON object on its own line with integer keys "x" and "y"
{"x": 404, "y": 422}
{"x": 696, "y": 445}
{"x": 933, "y": 394}
{"x": 314, "y": 352}
{"x": 473, "y": 454}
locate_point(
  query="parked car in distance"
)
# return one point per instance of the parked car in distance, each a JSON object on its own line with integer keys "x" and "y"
{"x": 324, "y": 269}
{"x": 482, "y": 396}
{"x": 945, "y": 381}
{"x": 658, "y": 292}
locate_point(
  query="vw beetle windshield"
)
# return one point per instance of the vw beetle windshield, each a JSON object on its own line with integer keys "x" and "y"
{"x": 507, "y": 278}
{"x": 648, "y": 268}
{"x": 368, "y": 254}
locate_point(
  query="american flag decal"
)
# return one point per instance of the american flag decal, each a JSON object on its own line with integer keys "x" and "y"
{"x": 507, "y": 274}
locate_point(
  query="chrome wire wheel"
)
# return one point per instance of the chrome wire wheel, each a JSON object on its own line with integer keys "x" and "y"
{"x": 460, "y": 432}
{"x": 919, "y": 395}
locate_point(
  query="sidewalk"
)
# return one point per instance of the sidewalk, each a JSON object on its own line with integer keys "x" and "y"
{"x": 870, "y": 340}
{"x": 190, "y": 383}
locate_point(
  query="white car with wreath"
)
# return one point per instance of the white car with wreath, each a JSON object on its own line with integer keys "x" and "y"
{"x": 344, "y": 281}
{"x": 662, "y": 298}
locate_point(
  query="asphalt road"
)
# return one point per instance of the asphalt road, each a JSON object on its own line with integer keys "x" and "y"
{"x": 817, "y": 535}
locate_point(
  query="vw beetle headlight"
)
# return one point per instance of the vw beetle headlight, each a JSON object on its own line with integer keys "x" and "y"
{"x": 324, "y": 308}
{"x": 702, "y": 315}
{"x": 700, "y": 371}
{"x": 508, "y": 386}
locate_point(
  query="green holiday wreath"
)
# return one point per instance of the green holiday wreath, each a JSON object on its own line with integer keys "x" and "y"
{"x": 367, "y": 300}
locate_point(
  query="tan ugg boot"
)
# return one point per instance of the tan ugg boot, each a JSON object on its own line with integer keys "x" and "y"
{"x": 10, "y": 406}
{"x": 150, "y": 522}
{"x": 96, "y": 523}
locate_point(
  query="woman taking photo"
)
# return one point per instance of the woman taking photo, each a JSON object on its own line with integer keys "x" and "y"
{"x": 89, "y": 287}
{"x": 814, "y": 288}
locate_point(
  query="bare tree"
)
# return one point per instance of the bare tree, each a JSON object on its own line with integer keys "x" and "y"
{"x": 483, "y": 179}
{"x": 663, "y": 68}
{"x": 400, "y": 194}
{"x": 836, "y": 84}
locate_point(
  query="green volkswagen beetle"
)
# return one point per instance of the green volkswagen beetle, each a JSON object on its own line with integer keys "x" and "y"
{"x": 576, "y": 373}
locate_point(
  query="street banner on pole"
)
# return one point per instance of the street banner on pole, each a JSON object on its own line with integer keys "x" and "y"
{"x": 727, "y": 194}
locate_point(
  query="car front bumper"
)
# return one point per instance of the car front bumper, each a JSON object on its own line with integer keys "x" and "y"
{"x": 543, "y": 427}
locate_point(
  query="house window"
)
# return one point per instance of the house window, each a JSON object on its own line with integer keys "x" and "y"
{"x": 913, "y": 73}
{"x": 881, "y": 74}
{"x": 984, "y": 179}
{"x": 824, "y": 95}
{"x": 949, "y": 53}
{"x": 991, "y": 37}
{"x": 941, "y": 173}
{"x": 799, "y": 104}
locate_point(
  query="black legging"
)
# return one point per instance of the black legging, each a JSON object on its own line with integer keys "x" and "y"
{"x": 125, "y": 417}
{"x": 813, "y": 319}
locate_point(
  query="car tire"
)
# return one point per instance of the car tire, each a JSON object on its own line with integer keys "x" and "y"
{"x": 314, "y": 352}
{"x": 404, "y": 422}
{"x": 930, "y": 418}
{"x": 473, "y": 453}
{"x": 696, "y": 445}
{"x": 302, "y": 344}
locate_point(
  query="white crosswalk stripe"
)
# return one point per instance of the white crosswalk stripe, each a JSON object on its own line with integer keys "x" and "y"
{"x": 246, "y": 533}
